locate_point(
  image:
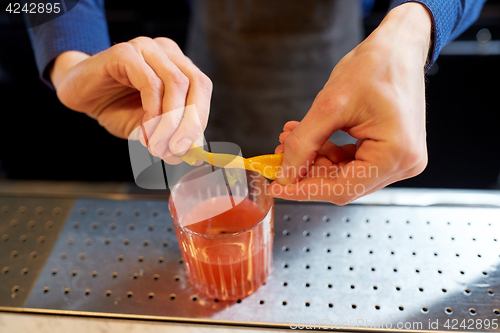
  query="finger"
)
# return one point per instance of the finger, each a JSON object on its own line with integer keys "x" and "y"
{"x": 339, "y": 185}
{"x": 290, "y": 126}
{"x": 303, "y": 143}
{"x": 175, "y": 89}
{"x": 280, "y": 149}
{"x": 337, "y": 154}
{"x": 198, "y": 98}
{"x": 139, "y": 75}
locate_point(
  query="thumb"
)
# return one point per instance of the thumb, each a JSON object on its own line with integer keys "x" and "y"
{"x": 304, "y": 142}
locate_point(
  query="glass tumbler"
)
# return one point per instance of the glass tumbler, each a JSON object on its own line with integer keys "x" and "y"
{"x": 224, "y": 225}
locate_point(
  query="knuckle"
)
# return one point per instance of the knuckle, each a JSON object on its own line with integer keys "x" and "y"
{"x": 179, "y": 80}
{"x": 204, "y": 81}
{"x": 122, "y": 49}
{"x": 141, "y": 40}
{"x": 167, "y": 42}
{"x": 412, "y": 156}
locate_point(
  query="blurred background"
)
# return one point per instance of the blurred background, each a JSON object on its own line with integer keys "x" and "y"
{"x": 463, "y": 113}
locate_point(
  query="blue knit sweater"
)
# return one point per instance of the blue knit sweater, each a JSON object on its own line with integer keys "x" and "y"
{"x": 84, "y": 28}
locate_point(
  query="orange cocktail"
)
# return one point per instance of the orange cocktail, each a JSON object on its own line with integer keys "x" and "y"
{"x": 225, "y": 234}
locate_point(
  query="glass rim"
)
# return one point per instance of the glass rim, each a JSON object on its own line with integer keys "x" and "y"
{"x": 180, "y": 226}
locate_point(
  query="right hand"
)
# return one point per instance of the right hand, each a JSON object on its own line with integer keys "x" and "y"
{"x": 130, "y": 85}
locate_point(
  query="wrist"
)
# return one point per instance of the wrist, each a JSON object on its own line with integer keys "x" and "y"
{"x": 409, "y": 27}
{"x": 63, "y": 65}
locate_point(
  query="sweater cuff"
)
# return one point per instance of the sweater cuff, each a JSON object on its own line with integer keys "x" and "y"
{"x": 84, "y": 28}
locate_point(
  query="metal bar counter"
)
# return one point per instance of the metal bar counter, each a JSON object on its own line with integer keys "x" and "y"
{"x": 399, "y": 259}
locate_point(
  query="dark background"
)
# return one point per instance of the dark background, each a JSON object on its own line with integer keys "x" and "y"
{"x": 39, "y": 136}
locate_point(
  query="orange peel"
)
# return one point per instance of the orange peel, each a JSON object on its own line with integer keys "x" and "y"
{"x": 268, "y": 166}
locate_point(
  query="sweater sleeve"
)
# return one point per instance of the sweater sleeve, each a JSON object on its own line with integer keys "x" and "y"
{"x": 449, "y": 19}
{"x": 83, "y": 28}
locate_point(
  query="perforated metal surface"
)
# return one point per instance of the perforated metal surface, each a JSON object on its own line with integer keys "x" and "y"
{"x": 332, "y": 266}
{"x": 28, "y": 229}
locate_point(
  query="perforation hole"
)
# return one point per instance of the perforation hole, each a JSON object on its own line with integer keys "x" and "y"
{"x": 285, "y": 284}
{"x": 165, "y": 244}
{"x": 194, "y": 298}
{"x": 108, "y": 293}
{"x": 285, "y": 248}
{"x": 81, "y": 256}
{"x": 161, "y": 259}
{"x": 421, "y": 289}
{"x": 326, "y": 219}
{"x": 120, "y": 257}
{"x": 305, "y": 218}
{"x": 154, "y": 213}
{"x": 327, "y": 234}
{"x": 425, "y": 309}
{"x": 444, "y": 290}
{"x": 496, "y": 312}
{"x": 485, "y": 273}
{"x": 94, "y": 225}
{"x": 467, "y": 292}
{"x": 137, "y": 212}
{"x": 140, "y": 259}
{"x": 151, "y": 295}
{"x": 169, "y": 229}
{"x": 370, "y": 252}
{"x": 401, "y": 308}
{"x": 24, "y": 271}
{"x": 417, "y": 271}
{"x": 5, "y": 270}
{"x": 448, "y": 310}
{"x": 181, "y": 261}
{"x": 377, "y": 307}
{"x": 472, "y": 311}
{"x": 114, "y": 275}
{"x": 286, "y": 232}
{"x": 22, "y": 239}
{"x": 373, "y": 269}
{"x": 76, "y": 225}
{"x": 87, "y": 292}
{"x": 395, "y": 270}
{"x": 307, "y": 266}
{"x": 307, "y": 304}
{"x": 135, "y": 276}
{"x": 54, "y": 271}
{"x": 130, "y": 294}
{"x": 462, "y": 272}
{"x": 351, "y": 268}
{"x": 31, "y": 224}
{"x": 398, "y": 288}
{"x": 13, "y": 223}
{"x": 353, "y": 306}
{"x": 306, "y": 233}
{"x": 328, "y": 250}
{"x": 14, "y": 254}
{"x": 177, "y": 278}
{"x": 283, "y": 303}
{"x": 46, "y": 289}
{"x": 66, "y": 290}
{"x": 330, "y": 285}
{"x": 307, "y": 284}
{"x": 107, "y": 241}
{"x": 49, "y": 225}
{"x": 353, "y": 286}
{"x": 150, "y": 228}
{"x": 131, "y": 226}
{"x": 126, "y": 241}
{"x": 156, "y": 277}
{"x": 306, "y": 249}
{"x": 74, "y": 272}
{"x": 490, "y": 292}
{"x": 112, "y": 226}
{"x": 261, "y": 301}
{"x": 285, "y": 265}
{"x": 88, "y": 241}
{"x": 375, "y": 287}
{"x": 287, "y": 217}
{"x": 440, "y": 271}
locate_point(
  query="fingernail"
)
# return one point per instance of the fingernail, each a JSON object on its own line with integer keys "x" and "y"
{"x": 183, "y": 146}
{"x": 160, "y": 147}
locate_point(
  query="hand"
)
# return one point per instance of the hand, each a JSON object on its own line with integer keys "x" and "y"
{"x": 132, "y": 84}
{"x": 376, "y": 93}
